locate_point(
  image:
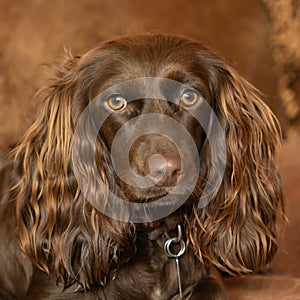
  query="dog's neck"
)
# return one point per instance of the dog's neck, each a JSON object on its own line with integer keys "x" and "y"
{"x": 156, "y": 229}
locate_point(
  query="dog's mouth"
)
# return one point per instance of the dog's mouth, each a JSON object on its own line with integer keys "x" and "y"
{"x": 165, "y": 195}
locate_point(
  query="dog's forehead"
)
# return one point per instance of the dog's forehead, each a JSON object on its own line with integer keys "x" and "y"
{"x": 160, "y": 56}
{"x": 156, "y": 55}
{"x": 153, "y": 45}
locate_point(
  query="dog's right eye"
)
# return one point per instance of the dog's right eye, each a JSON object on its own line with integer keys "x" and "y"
{"x": 116, "y": 102}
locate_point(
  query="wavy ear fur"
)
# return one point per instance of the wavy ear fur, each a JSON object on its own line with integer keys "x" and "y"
{"x": 58, "y": 229}
{"x": 237, "y": 231}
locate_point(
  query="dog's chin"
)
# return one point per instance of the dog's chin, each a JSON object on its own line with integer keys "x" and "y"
{"x": 148, "y": 197}
{"x": 143, "y": 195}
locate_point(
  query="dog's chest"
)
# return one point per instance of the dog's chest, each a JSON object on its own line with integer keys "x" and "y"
{"x": 167, "y": 281}
{"x": 153, "y": 275}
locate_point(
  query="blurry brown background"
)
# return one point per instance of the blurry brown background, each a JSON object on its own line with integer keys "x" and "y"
{"x": 259, "y": 37}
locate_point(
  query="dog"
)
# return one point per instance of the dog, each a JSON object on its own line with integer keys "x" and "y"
{"x": 151, "y": 163}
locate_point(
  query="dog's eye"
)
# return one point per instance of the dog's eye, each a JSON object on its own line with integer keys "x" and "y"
{"x": 117, "y": 102}
{"x": 189, "y": 98}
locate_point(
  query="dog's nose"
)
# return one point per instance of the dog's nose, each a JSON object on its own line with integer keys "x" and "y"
{"x": 164, "y": 170}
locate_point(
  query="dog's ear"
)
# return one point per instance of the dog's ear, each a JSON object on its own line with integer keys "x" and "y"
{"x": 58, "y": 228}
{"x": 239, "y": 227}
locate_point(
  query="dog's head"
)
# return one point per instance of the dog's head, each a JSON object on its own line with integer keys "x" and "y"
{"x": 147, "y": 120}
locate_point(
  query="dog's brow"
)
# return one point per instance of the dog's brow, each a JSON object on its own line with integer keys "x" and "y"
{"x": 177, "y": 75}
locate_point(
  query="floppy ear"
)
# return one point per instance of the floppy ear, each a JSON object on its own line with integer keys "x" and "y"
{"x": 58, "y": 228}
{"x": 237, "y": 230}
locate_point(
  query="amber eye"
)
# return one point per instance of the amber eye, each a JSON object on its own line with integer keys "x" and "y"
{"x": 117, "y": 102}
{"x": 189, "y": 98}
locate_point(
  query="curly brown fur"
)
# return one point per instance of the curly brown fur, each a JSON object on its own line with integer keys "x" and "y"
{"x": 57, "y": 245}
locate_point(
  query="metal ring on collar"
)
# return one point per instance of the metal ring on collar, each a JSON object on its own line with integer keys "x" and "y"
{"x": 168, "y": 244}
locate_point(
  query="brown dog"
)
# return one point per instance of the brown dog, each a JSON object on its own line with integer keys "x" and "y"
{"x": 145, "y": 147}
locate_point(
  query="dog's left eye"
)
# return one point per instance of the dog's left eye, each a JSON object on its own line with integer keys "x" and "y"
{"x": 117, "y": 102}
{"x": 189, "y": 98}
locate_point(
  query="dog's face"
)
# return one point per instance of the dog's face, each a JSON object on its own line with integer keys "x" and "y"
{"x": 179, "y": 81}
{"x": 150, "y": 141}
